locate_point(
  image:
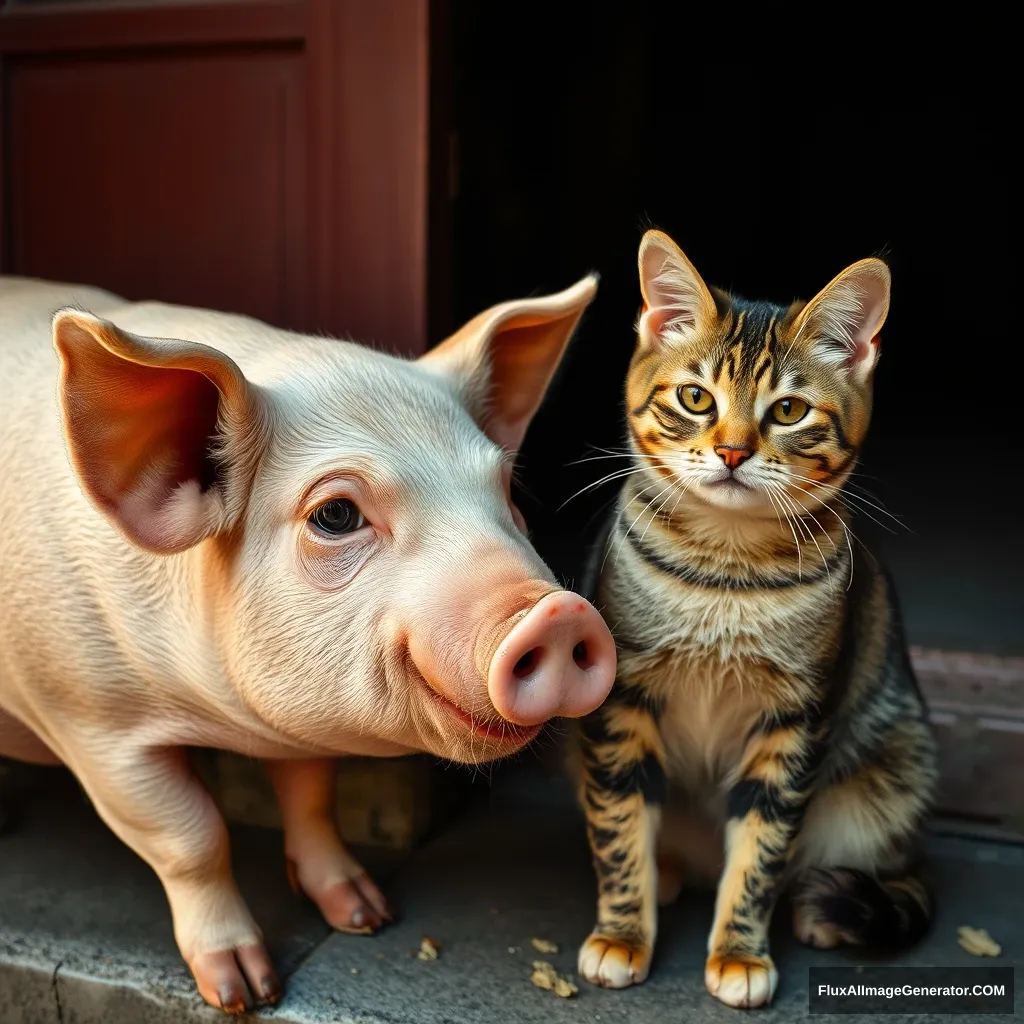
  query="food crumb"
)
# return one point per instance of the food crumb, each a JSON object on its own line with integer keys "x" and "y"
{"x": 429, "y": 949}
{"x": 544, "y": 945}
{"x": 546, "y": 977}
{"x": 513, "y": 949}
{"x": 977, "y": 942}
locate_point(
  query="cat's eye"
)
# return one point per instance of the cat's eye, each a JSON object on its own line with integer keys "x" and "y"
{"x": 696, "y": 399}
{"x": 789, "y": 410}
{"x": 337, "y": 517}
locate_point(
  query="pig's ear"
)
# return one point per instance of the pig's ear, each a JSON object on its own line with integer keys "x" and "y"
{"x": 505, "y": 358}
{"x": 162, "y": 434}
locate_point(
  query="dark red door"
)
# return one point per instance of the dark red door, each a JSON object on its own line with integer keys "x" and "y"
{"x": 268, "y": 157}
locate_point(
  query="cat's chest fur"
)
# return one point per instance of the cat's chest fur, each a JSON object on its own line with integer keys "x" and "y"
{"x": 707, "y": 709}
{"x": 714, "y": 661}
{"x": 712, "y": 631}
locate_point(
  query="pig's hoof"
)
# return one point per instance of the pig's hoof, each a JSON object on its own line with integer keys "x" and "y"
{"x": 353, "y": 904}
{"x": 234, "y": 980}
{"x": 356, "y": 906}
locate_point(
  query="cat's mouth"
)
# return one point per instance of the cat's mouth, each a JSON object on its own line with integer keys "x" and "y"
{"x": 728, "y": 483}
{"x": 728, "y": 492}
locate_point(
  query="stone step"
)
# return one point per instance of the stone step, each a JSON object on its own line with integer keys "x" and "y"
{"x": 85, "y": 934}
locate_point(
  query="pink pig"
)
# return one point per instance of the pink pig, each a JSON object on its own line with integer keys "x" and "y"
{"x": 281, "y": 545}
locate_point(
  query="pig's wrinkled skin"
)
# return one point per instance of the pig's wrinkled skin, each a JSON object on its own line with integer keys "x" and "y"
{"x": 164, "y": 585}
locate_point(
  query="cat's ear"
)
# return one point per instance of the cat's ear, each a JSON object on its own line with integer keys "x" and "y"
{"x": 841, "y": 323}
{"x": 677, "y": 302}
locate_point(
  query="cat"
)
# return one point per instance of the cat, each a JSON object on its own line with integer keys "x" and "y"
{"x": 765, "y": 726}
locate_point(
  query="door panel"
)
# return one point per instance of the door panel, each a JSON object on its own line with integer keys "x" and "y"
{"x": 175, "y": 176}
{"x": 268, "y": 157}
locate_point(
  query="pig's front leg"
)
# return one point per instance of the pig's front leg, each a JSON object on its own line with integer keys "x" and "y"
{"x": 152, "y": 800}
{"x": 318, "y": 862}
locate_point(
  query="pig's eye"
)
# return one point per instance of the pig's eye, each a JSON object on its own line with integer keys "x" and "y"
{"x": 336, "y": 517}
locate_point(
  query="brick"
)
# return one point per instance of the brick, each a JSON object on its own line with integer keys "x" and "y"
{"x": 388, "y": 802}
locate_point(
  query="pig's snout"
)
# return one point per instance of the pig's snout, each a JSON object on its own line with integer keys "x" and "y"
{"x": 557, "y": 661}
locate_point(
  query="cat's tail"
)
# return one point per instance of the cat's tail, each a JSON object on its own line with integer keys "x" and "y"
{"x": 884, "y": 913}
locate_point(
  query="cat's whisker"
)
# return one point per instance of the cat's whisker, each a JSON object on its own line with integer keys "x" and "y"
{"x": 775, "y": 507}
{"x": 848, "y": 497}
{"x": 846, "y": 529}
{"x": 808, "y": 513}
{"x": 642, "y": 458}
{"x": 625, "y": 536}
{"x": 791, "y": 513}
{"x": 794, "y": 517}
{"x": 838, "y": 487}
{"x": 859, "y": 507}
{"x": 682, "y": 494}
{"x": 619, "y": 474}
{"x": 632, "y": 456}
{"x": 625, "y": 453}
{"x": 824, "y": 560}
{"x": 647, "y": 462}
{"x": 659, "y": 510}
{"x": 779, "y": 512}
{"x": 841, "y": 491}
{"x": 599, "y": 458}
{"x": 861, "y": 487}
{"x": 611, "y": 451}
{"x": 876, "y": 504}
{"x": 792, "y": 504}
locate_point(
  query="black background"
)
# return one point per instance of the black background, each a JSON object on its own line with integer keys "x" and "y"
{"x": 574, "y": 139}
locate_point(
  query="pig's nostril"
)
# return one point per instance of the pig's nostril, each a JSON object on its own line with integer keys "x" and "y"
{"x": 581, "y": 655}
{"x": 552, "y": 666}
{"x": 527, "y": 663}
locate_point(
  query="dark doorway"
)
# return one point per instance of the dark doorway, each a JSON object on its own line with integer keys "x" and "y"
{"x": 574, "y": 139}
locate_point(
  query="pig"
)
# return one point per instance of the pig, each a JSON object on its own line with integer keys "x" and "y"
{"x": 216, "y": 533}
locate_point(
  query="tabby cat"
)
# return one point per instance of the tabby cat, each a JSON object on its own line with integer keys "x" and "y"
{"x": 765, "y": 726}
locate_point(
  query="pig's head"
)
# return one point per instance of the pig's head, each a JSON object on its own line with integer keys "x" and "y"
{"x": 345, "y": 520}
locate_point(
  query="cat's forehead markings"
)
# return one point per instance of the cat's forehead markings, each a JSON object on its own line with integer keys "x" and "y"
{"x": 788, "y": 379}
{"x": 746, "y": 350}
{"x": 763, "y": 367}
{"x": 706, "y": 368}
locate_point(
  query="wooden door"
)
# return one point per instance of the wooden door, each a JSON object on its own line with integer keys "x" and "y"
{"x": 267, "y": 157}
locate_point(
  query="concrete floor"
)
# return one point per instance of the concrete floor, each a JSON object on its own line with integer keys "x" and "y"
{"x": 85, "y": 935}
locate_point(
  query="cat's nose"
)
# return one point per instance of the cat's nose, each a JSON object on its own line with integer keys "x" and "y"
{"x": 733, "y": 455}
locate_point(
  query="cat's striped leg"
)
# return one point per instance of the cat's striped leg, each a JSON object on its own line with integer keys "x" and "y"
{"x": 765, "y": 807}
{"x": 622, "y": 787}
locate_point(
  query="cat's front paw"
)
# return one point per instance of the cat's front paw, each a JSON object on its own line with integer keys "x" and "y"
{"x": 613, "y": 963}
{"x": 741, "y": 979}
